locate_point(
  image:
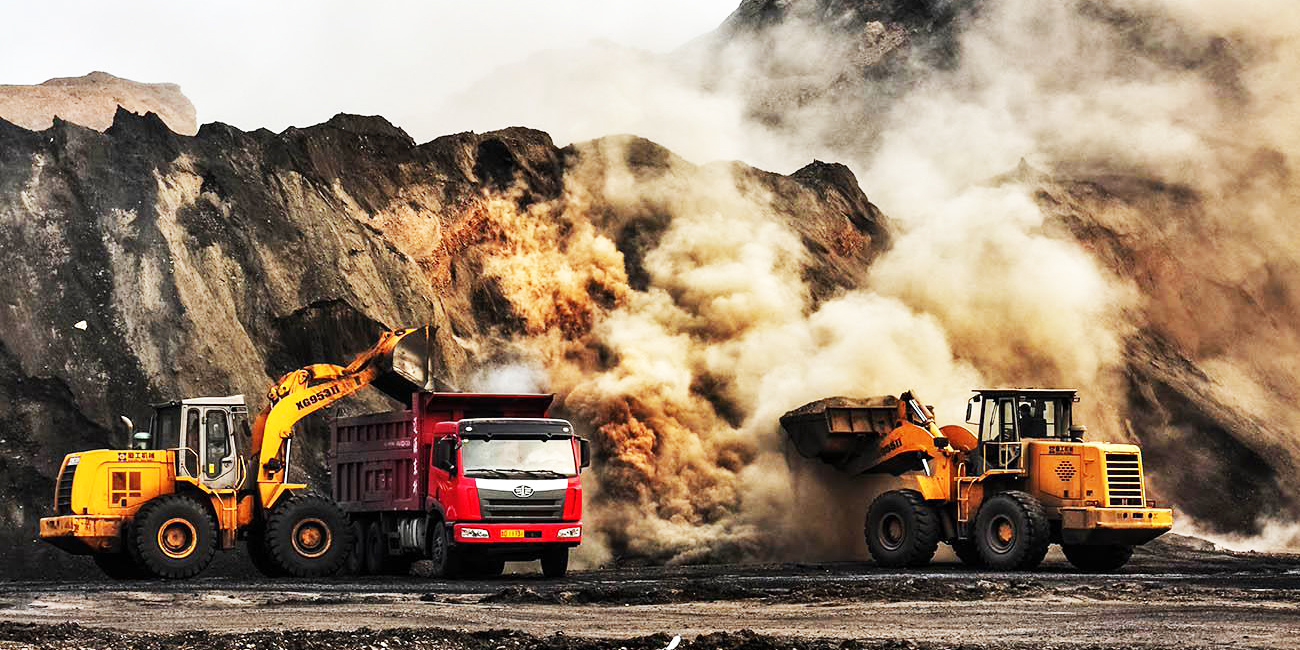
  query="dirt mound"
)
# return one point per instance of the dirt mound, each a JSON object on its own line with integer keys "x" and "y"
{"x": 93, "y": 100}
{"x": 208, "y": 265}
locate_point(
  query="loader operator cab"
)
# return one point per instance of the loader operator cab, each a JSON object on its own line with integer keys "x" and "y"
{"x": 1008, "y": 415}
{"x": 207, "y": 434}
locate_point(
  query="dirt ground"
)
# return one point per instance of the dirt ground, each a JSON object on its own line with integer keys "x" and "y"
{"x": 1169, "y": 596}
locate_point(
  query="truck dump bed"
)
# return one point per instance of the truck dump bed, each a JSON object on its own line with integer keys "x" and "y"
{"x": 842, "y": 431}
{"x": 382, "y": 460}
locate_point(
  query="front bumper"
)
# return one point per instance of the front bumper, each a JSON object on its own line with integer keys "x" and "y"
{"x": 1128, "y": 526}
{"x": 519, "y": 533}
{"x": 83, "y": 534}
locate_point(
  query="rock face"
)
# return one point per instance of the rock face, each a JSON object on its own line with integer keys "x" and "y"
{"x": 1205, "y": 377}
{"x": 92, "y": 101}
{"x": 208, "y": 265}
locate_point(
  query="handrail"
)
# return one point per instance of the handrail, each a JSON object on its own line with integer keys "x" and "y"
{"x": 181, "y": 469}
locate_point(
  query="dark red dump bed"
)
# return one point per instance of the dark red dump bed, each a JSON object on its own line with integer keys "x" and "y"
{"x": 381, "y": 460}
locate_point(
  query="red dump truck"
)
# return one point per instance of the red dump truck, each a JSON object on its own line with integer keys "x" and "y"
{"x": 469, "y": 481}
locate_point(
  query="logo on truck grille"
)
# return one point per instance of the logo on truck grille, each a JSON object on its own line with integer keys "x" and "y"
{"x": 523, "y": 491}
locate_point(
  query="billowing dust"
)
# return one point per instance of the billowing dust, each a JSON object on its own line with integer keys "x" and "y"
{"x": 682, "y": 380}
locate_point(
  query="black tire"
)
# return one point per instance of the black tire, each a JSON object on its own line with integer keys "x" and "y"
{"x": 307, "y": 535}
{"x": 356, "y": 563}
{"x": 968, "y": 552}
{"x": 376, "y": 550}
{"x": 1097, "y": 558}
{"x": 1012, "y": 532}
{"x": 174, "y": 537}
{"x": 259, "y": 556}
{"x": 119, "y": 566}
{"x": 440, "y": 551}
{"x": 555, "y": 562}
{"x": 901, "y": 530}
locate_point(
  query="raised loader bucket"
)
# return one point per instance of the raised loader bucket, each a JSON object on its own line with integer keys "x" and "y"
{"x": 409, "y": 368}
{"x": 841, "y": 431}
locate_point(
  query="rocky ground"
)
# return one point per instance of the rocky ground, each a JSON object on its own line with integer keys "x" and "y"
{"x": 1172, "y": 595}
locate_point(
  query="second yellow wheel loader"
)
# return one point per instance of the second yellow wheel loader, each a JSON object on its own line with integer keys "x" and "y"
{"x": 999, "y": 498}
{"x": 201, "y": 478}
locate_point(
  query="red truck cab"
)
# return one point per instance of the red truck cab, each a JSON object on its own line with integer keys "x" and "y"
{"x": 466, "y": 480}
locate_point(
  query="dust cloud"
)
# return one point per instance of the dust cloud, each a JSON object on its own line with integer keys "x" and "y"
{"x": 681, "y": 381}
{"x": 681, "y": 378}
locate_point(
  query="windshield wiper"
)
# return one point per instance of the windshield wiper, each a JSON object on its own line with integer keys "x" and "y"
{"x": 490, "y": 472}
{"x": 545, "y": 473}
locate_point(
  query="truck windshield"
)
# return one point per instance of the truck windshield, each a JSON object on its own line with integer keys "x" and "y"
{"x": 509, "y": 457}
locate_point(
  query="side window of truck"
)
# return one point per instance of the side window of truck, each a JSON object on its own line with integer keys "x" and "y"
{"x": 444, "y": 451}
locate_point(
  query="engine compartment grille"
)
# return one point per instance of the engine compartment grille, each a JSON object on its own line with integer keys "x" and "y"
{"x": 504, "y": 506}
{"x": 1123, "y": 480}
{"x": 63, "y": 491}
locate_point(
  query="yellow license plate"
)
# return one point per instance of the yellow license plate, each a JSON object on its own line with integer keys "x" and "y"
{"x": 512, "y": 533}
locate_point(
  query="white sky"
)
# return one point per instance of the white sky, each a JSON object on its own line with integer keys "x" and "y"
{"x": 296, "y": 63}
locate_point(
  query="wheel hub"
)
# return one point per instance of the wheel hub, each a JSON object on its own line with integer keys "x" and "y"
{"x": 177, "y": 538}
{"x": 892, "y": 531}
{"x": 1001, "y": 534}
{"x": 311, "y": 537}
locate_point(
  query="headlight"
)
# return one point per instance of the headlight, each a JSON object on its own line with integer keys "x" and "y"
{"x": 576, "y": 531}
{"x": 474, "y": 533}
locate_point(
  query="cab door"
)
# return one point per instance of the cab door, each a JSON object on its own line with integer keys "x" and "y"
{"x": 218, "y": 455}
{"x": 999, "y": 438}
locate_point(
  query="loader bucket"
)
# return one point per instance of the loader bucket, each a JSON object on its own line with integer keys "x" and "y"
{"x": 410, "y": 367}
{"x": 841, "y": 431}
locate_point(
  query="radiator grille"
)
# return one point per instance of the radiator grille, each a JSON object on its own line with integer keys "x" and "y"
{"x": 504, "y": 506}
{"x": 63, "y": 491}
{"x": 1123, "y": 480}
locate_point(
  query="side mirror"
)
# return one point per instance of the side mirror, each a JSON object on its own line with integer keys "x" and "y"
{"x": 444, "y": 454}
{"x": 584, "y": 451}
{"x": 970, "y": 408}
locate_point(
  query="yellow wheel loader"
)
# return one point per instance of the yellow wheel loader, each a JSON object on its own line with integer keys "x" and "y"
{"x": 201, "y": 478}
{"x": 1000, "y": 496}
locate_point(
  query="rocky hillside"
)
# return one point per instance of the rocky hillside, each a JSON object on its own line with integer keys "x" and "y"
{"x": 1157, "y": 135}
{"x": 207, "y": 265}
{"x": 92, "y": 101}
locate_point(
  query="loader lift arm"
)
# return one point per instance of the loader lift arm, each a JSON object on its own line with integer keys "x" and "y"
{"x": 304, "y": 391}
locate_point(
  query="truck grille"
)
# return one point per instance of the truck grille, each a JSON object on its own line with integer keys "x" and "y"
{"x": 63, "y": 491}
{"x": 504, "y": 506}
{"x": 1123, "y": 480}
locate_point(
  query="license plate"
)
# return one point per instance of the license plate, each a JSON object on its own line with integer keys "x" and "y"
{"x": 512, "y": 533}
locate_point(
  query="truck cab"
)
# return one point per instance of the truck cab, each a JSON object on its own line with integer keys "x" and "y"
{"x": 491, "y": 480}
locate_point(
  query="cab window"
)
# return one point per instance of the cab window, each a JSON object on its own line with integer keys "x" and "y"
{"x": 166, "y": 429}
{"x": 218, "y": 435}
{"x": 192, "y": 433}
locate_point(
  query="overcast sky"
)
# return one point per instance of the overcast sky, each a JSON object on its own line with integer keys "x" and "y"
{"x": 279, "y": 64}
